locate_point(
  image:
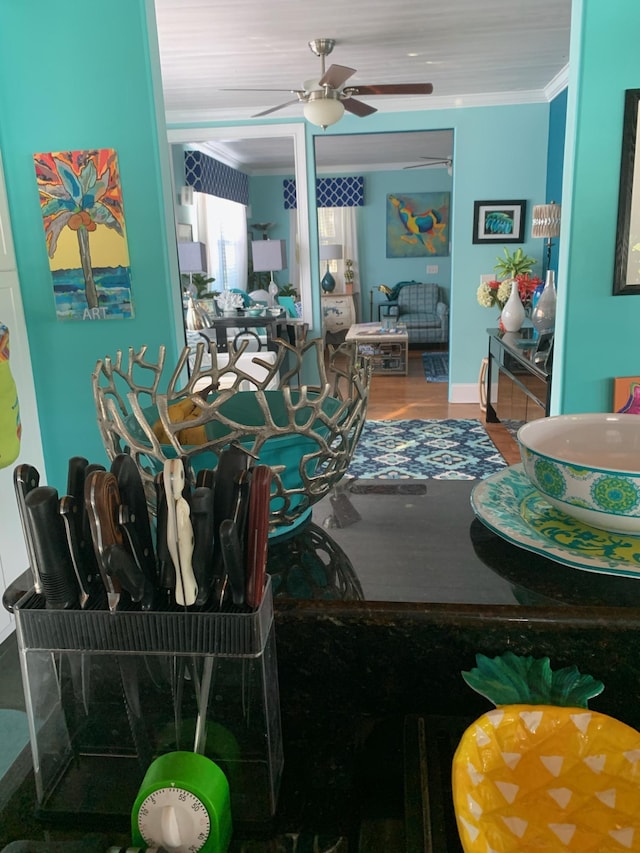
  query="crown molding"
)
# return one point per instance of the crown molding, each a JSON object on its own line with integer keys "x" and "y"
{"x": 559, "y": 83}
{"x": 181, "y": 118}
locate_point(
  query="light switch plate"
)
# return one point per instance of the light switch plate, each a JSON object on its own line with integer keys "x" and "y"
{"x": 432, "y": 269}
{"x": 485, "y": 279}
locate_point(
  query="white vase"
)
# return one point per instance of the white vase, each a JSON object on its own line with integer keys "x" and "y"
{"x": 543, "y": 317}
{"x": 513, "y": 313}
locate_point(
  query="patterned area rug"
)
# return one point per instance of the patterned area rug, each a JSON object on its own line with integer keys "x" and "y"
{"x": 449, "y": 449}
{"x": 436, "y": 366}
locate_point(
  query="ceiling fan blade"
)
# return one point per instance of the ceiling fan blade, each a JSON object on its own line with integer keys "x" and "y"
{"x": 358, "y": 108}
{"x": 424, "y": 165}
{"x": 257, "y": 90}
{"x": 395, "y": 89}
{"x": 336, "y": 75}
{"x": 275, "y": 109}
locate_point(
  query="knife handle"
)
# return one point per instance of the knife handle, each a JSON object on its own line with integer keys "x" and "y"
{"x": 203, "y": 537}
{"x": 258, "y": 534}
{"x": 166, "y": 569}
{"x": 69, "y": 513}
{"x": 50, "y": 548}
{"x": 133, "y": 496}
{"x": 233, "y": 560}
{"x": 25, "y": 479}
{"x": 102, "y": 500}
{"x": 179, "y": 532}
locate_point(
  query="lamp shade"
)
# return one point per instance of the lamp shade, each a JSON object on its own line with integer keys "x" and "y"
{"x": 330, "y": 252}
{"x": 192, "y": 257}
{"x": 546, "y": 220}
{"x": 323, "y": 110}
{"x": 269, "y": 255}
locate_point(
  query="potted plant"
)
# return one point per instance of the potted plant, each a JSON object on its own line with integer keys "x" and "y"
{"x": 348, "y": 275}
{"x": 514, "y": 264}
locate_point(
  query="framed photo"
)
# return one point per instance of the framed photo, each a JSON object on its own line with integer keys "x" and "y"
{"x": 499, "y": 221}
{"x": 626, "y": 275}
{"x": 543, "y": 356}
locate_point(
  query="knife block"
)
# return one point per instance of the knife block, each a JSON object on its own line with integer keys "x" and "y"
{"x": 107, "y": 693}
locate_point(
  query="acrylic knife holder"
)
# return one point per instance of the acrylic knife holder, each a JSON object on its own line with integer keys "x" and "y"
{"x": 106, "y": 693}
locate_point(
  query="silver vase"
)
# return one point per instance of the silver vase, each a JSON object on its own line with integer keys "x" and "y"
{"x": 543, "y": 317}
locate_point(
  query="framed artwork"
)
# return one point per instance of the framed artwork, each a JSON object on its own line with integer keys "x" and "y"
{"x": 418, "y": 225}
{"x": 499, "y": 221}
{"x": 626, "y": 275}
{"x": 185, "y": 232}
{"x": 84, "y": 229}
{"x": 626, "y": 394}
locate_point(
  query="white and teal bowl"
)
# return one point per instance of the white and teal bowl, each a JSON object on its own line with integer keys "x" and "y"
{"x": 588, "y": 466}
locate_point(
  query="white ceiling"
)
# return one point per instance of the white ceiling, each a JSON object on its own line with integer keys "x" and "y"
{"x": 474, "y": 52}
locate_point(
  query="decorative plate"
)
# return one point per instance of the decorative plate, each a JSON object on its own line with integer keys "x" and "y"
{"x": 510, "y": 506}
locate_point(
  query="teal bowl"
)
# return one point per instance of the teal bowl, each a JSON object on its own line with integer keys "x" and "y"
{"x": 291, "y": 442}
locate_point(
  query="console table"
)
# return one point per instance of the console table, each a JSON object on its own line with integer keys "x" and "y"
{"x": 518, "y": 378}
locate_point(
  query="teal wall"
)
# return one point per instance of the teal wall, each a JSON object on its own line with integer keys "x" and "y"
{"x": 597, "y": 333}
{"x": 555, "y": 160}
{"x": 499, "y": 153}
{"x": 267, "y": 205}
{"x": 375, "y": 267}
{"x": 86, "y": 76}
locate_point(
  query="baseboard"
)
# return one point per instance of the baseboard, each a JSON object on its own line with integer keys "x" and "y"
{"x": 464, "y": 392}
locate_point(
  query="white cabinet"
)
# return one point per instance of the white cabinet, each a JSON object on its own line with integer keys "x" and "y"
{"x": 338, "y": 313}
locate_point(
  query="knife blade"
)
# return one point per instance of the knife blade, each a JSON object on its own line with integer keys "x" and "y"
{"x": 257, "y": 534}
{"x": 133, "y": 496}
{"x": 102, "y": 500}
{"x": 25, "y": 479}
{"x": 50, "y": 549}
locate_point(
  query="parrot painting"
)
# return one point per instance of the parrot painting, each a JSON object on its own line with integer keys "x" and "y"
{"x": 425, "y": 227}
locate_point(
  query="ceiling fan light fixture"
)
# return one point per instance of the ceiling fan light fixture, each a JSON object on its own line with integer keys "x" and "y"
{"x": 323, "y": 108}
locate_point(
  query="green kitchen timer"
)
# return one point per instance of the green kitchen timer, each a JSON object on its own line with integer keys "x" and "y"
{"x": 183, "y": 805}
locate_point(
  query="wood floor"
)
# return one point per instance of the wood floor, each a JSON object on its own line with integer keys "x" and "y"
{"x": 411, "y": 396}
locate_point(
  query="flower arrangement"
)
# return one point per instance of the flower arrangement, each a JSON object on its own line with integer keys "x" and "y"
{"x": 496, "y": 292}
{"x": 514, "y": 266}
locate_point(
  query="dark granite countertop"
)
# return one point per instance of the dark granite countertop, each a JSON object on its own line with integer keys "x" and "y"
{"x": 374, "y": 622}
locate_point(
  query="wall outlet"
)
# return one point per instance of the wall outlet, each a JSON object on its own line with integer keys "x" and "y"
{"x": 485, "y": 279}
{"x": 432, "y": 269}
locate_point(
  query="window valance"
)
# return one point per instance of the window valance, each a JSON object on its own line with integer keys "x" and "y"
{"x": 207, "y": 175}
{"x": 330, "y": 192}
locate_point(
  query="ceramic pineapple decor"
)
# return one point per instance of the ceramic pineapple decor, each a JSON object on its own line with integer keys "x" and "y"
{"x": 542, "y": 771}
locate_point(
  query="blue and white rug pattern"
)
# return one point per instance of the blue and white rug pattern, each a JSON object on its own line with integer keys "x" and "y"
{"x": 448, "y": 449}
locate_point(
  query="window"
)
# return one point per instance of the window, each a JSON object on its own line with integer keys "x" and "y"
{"x": 222, "y": 225}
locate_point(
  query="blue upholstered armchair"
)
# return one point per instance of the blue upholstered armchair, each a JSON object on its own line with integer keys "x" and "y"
{"x": 422, "y": 309}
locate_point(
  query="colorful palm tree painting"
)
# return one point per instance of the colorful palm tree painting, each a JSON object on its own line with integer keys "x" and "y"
{"x": 82, "y": 211}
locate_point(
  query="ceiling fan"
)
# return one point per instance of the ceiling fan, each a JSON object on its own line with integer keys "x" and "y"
{"x": 434, "y": 161}
{"x": 326, "y": 99}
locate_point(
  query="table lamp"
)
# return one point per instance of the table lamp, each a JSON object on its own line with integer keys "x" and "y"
{"x": 329, "y": 252}
{"x": 546, "y": 223}
{"x": 192, "y": 258}
{"x": 268, "y": 256}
